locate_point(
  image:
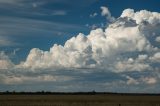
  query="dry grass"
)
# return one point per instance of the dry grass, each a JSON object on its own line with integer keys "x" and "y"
{"x": 79, "y": 100}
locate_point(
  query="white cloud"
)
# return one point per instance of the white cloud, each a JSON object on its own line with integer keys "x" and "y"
{"x": 93, "y": 15}
{"x": 156, "y": 57}
{"x": 131, "y": 65}
{"x": 75, "y": 53}
{"x": 142, "y": 57}
{"x": 141, "y": 80}
{"x": 101, "y": 48}
{"x": 5, "y": 62}
{"x": 158, "y": 39}
{"x": 149, "y": 80}
{"x": 142, "y": 16}
{"x": 106, "y": 12}
{"x": 92, "y": 27}
{"x": 27, "y": 79}
{"x": 131, "y": 81}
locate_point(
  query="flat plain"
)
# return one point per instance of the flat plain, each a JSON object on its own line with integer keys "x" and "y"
{"x": 79, "y": 100}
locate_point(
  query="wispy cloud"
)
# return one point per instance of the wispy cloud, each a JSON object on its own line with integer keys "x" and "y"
{"x": 9, "y": 1}
{"x": 15, "y": 26}
{"x": 59, "y": 12}
{"x": 93, "y": 15}
{"x": 21, "y": 26}
{"x": 4, "y": 41}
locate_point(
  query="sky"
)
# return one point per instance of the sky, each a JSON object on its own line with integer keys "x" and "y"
{"x": 72, "y": 45}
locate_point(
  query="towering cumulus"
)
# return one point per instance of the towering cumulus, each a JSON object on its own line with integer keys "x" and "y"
{"x": 124, "y": 45}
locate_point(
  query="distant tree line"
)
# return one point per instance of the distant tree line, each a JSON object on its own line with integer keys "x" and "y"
{"x": 73, "y": 93}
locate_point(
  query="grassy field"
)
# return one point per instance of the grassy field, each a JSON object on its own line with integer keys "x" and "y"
{"x": 79, "y": 100}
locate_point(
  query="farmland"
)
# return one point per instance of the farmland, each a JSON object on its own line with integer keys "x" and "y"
{"x": 79, "y": 100}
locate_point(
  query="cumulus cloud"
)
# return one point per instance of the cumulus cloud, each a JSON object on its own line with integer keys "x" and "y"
{"x": 149, "y": 80}
{"x": 144, "y": 80}
{"x": 131, "y": 80}
{"x": 93, "y": 15}
{"x": 5, "y": 62}
{"x": 114, "y": 48}
{"x": 156, "y": 57}
{"x": 123, "y": 47}
{"x": 158, "y": 39}
{"x": 131, "y": 65}
{"x": 106, "y": 12}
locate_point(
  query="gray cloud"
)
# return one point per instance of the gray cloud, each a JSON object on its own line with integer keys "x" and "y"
{"x": 78, "y": 80}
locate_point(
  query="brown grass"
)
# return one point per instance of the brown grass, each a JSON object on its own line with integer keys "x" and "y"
{"x": 79, "y": 100}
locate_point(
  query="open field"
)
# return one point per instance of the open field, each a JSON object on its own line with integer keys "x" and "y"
{"x": 79, "y": 100}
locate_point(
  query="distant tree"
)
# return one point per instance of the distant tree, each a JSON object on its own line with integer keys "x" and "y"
{"x": 7, "y": 92}
{"x": 13, "y": 91}
{"x": 93, "y": 92}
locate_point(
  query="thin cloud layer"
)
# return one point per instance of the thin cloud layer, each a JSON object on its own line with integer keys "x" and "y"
{"x": 122, "y": 50}
{"x": 5, "y": 41}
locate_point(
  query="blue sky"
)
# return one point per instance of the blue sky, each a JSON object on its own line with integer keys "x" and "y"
{"x": 28, "y": 24}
